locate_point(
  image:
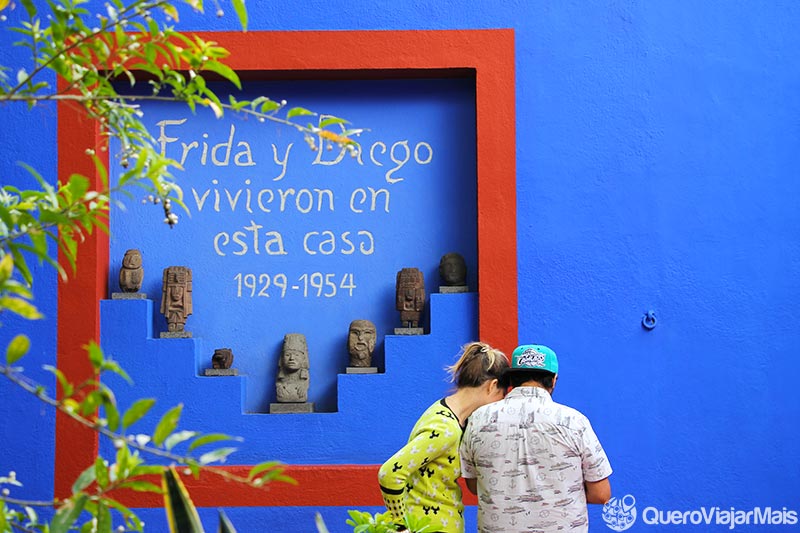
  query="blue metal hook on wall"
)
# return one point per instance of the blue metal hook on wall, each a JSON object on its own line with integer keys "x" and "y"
{"x": 649, "y": 321}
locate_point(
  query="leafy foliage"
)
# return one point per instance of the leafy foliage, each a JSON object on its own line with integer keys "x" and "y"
{"x": 92, "y": 55}
{"x": 93, "y": 492}
{"x": 363, "y": 522}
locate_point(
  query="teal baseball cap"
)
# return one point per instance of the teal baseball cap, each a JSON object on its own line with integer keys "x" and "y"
{"x": 533, "y": 357}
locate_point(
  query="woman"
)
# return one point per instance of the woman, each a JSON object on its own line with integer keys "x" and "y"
{"x": 421, "y": 479}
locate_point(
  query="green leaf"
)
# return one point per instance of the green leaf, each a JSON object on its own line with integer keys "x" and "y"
{"x": 66, "y": 387}
{"x": 208, "y": 439}
{"x": 137, "y": 411}
{"x": 29, "y": 7}
{"x": 22, "y": 76}
{"x": 112, "y": 366}
{"x": 68, "y": 513}
{"x": 194, "y": 467}
{"x": 17, "y": 348}
{"x": 112, "y": 416}
{"x": 22, "y": 265}
{"x": 216, "y": 455}
{"x": 103, "y": 519}
{"x": 167, "y": 424}
{"x": 147, "y": 470}
{"x": 5, "y": 216}
{"x": 123, "y": 460}
{"x": 3, "y": 522}
{"x": 77, "y": 186}
{"x": 141, "y": 486}
{"x": 331, "y": 120}
{"x": 95, "y": 355}
{"x": 6, "y": 268}
{"x": 101, "y": 472}
{"x": 14, "y": 287}
{"x": 131, "y": 519}
{"x": 170, "y": 11}
{"x": 321, "y": 527}
{"x": 181, "y": 512}
{"x": 225, "y": 525}
{"x": 176, "y": 438}
{"x": 241, "y": 11}
{"x": 225, "y": 71}
{"x": 20, "y": 307}
{"x": 263, "y": 467}
{"x": 46, "y": 258}
{"x": 91, "y": 402}
{"x": 86, "y": 478}
{"x": 266, "y": 105}
{"x": 298, "y": 111}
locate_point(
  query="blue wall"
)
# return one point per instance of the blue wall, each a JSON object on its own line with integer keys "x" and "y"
{"x": 657, "y": 157}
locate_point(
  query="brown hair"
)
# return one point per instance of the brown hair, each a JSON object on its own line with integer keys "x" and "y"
{"x": 477, "y": 364}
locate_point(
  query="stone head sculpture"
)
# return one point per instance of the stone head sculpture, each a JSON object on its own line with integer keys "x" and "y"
{"x": 176, "y": 296}
{"x": 410, "y": 296}
{"x": 292, "y": 383}
{"x": 131, "y": 274}
{"x": 453, "y": 270}
{"x": 222, "y": 358}
{"x": 361, "y": 342}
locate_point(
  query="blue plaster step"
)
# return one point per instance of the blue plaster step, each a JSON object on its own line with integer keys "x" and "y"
{"x": 416, "y": 362}
{"x": 375, "y": 414}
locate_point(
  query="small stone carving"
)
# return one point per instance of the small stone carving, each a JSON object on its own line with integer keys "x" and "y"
{"x": 361, "y": 342}
{"x": 132, "y": 273}
{"x": 453, "y": 273}
{"x": 292, "y": 383}
{"x": 222, "y": 358}
{"x": 221, "y": 363}
{"x": 176, "y": 297}
{"x": 410, "y": 293}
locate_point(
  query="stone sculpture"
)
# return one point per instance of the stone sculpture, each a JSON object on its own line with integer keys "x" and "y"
{"x": 221, "y": 363}
{"x": 176, "y": 297}
{"x": 361, "y": 343}
{"x": 453, "y": 273}
{"x": 410, "y": 293}
{"x": 222, "y": 358}
{"x": 292, "y": 383}
{"x": 132, "y": 273}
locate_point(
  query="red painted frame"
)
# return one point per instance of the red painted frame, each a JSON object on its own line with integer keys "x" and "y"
{"x": 344, "y": 55}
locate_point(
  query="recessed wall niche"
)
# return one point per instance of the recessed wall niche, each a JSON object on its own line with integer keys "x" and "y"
{"x": 282, "y": 238}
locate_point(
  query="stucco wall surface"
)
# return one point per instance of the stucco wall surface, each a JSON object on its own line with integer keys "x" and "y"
{"x": 657, "y": 157}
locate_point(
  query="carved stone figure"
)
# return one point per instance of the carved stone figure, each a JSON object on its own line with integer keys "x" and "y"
{"x": 222, "y": 358}
{"x": 292, "y": 383}
{"x": 410, "y": 293}
{"x": 132, "y": 273}
{"x": 453, "y": 270}
{"x": 176, "y": 296}
{"x": 361, "y": 342}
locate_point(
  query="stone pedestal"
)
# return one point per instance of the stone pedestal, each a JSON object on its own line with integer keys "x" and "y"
{"x": 307, "y": 407}
{"x": 361, "y": 370}
{"x": 128, "y": 296}
{"x": 221, "y": 372}
{"x": 408, "y": 331}
{"x": 453, "y": 289}
{"x": 175, "y": 334}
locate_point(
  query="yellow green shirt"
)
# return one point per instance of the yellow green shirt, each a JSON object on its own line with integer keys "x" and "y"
{"x": 422, "y": 477}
